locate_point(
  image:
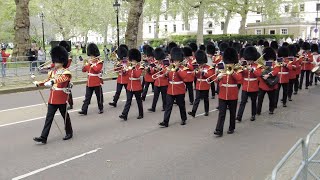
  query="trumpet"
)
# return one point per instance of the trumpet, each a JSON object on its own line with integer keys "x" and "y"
{"x": 45, "y": 65}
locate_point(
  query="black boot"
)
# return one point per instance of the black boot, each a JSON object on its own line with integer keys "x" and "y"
{"x": 151, "y": 110}
{"x": 231, "y": 131}
{"x": 40, "y": 139}
{"x": 140, "y": 117}
{"x": 238, "y": 119}
{"x": 206, "y": 114}
{"x": 124, "y": 117}
{"x": 253, "y": 118}
{"x": 114, "y": 104}
{"x": 82, "y": 113}
{"x": 70, "y": 107}
{"x": 163, "y": 124}
{"x": 218, "y": 133}
{"x": 183, "y": 122}
{"x": 67, "y": 137}
{"x": 192, "y": 114}
{"x": 101, "y": 111}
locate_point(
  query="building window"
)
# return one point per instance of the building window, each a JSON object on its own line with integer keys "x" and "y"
{"x": 286, "y": 8}
{"x": 209, "y": 32}
{"x": 174, "y": 28}
{"x": 165, "y": 28}
{"x": 222, "y": 25}
{"x": 210, "y": 25}
{"x": 258, "y": 31}
{"x": 257, "y": 21}
{"x": 182, "y": 27}
{"x": 166, "y": 17}
{"x": 301, "y": 7}
{"x": 272, "y": 31}
{"x": 149, "y": 29}
{"x": 284, "y": 31}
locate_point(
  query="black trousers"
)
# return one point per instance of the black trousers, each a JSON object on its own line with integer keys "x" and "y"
{"x": 284, "y": 93}
{"x": 52, "y": 109}
{"x": 189, "y": 86}
{"x": 118, "y": 91}
{"x": 213, "y": 89}
{"x": 70, "y": 99}
{"x": 201, "y": 94}
{"x": 88, "y": 96}
{"x": 137, "y": 95}
{"x": 311, "y": 78}
{"x": 157, "y": 91}
{"x": 296, "y": 83}
{"x": 169, "y": 104}
{"x": 244, "y": 99}
{"x": 307, "y": 72}
{"x": 271, "y": 95}
{"x": 146, "y": 88}
{"x": 290, "y": 87}
{"x": 223, "y": 104}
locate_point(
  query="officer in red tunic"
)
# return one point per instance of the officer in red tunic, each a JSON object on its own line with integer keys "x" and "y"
{"x": 306, "y": 65}
{"x": 161, "y": 80}
{"x": 176, "y": 89}
{"x": 202, "y": 87}
{"x": 228, "y": 92}
{"x": 134, "y": 86}
{"x": 123, "y": 77}
{"x": 211, "y": 51}
{"x": 94, "y": 83}
{"x": 250, "y": 86}
{"x": 188, "y": 62}
{"x": 148, "y": 72}
{"x": 293, "y": 71}
{"x": 58, "y": 80}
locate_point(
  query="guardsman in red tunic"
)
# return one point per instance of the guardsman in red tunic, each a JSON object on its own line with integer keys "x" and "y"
{"x": 188, "y": 62}
{"x": 94, "y": 83}
{"x": 148, "y": 72}
{"x": 58, "y": 80}
{"x": 123, "y": 77}
{"x": 161, "y": 80}
{"x": 283, "y": 67}
{"x": 228, "y": 93}
{"x": 269, "y": 57}
{"x": 176, "y": 89}
{"x": 202, "y": 86}
{"x": 211, "y": 51}
{"x": 306, "y": 65}
{"x": 299, "y": 60}
{"x": 315, "y": 57}
{"x": 293, "y": 71}
{"x": 134, "y": 86}
{"x": 250, "y": 87}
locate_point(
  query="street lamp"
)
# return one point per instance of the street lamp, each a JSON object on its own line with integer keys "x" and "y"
{"x": 42, "y": 21}
{"x": 116, "y": 6}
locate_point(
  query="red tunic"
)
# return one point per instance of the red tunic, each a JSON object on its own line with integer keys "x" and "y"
{"x": 228, "y": 86}
{"x": 293, "y": 69}
{"x": 190, "y": 73}
{"x": 176, "y": 85}
{"x": 283, "y": 73}
{"x": 134, "y": 83}
{"x": 148, "y": 75}
{"x": 262, "y": 84}
{"x": 94, "y": 73}
{"x": 307, "y": 61}
{"x": 4, "y": 57}
{"x": 205, "y": 72}
{"x": 250, "y": 80}
{"x": 162, "y": 79}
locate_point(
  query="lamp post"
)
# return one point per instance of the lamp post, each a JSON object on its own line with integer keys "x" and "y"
{"x": 116, "y": 6}
{"x": 42, "y": 22}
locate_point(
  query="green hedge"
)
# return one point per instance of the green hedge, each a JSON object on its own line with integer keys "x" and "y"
{"x": 186, "y": 39}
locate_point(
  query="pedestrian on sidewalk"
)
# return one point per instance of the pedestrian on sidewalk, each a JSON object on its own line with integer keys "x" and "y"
{"x": 3, "y": 61}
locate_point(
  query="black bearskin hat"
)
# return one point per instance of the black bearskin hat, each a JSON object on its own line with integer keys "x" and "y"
{"x": 285, "y": 44}
{"x": 230, "y": 56}
{"x": 122, "y": 52}
{"x": 297, "y": 46}
{"x": 170, "y": 46}
{"x": 202, "y": 47}
{"x": 266, "y": 44}
{"x": 223, "y": 46}
{"x": 201, "y": 57}
{"x": 144, "y": 48}
{"x": 134, "y": 54}
{"x": 59, "y": 55}
{"x": 149, "y": 51}
{"x": 237, "y": 46}
{"x": 193, "y": 46}
{"x": 66, "y": 45}
{"x": 250, "y": 53}
{"x": 314, "y": 48}
{"x": 274, "y": 45}
{"x": 93, "y": 50}
{"x": 260, "y": 42}
{"x": 292, "y": 50}
{"x": 176, "y": 54}
{"x": 211, "y": 49}
{"x": 283, "y": 51}
{"x": 305, "y": 46}
{"x": 159, "y": 54}
{"x": 187, "y": 51}
{"x": 124, "y": 46}
{"x": 241, "y": 52}
{"x": 269, "y": 54}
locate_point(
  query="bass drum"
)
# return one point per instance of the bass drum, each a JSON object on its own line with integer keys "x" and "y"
{"x": 316, "y": 70}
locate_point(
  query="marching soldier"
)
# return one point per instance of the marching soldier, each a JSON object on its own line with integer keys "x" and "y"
{"x": 148, "y": 74}
{"x": 188, "y": 62}
{"x": 211, "y": 51}
{"x": 306, "y": 67}
{"x": 94, "y": 82}
{"x": 134, "y": 87}
{"x": 176, "y": 89}
{"x": 250, "y": 86}
{"x": 58, "y": 80}
{"x": 315, "y": 57}
{"x": 123, "y": 77}
{"x": 293, "y": 71}
{"x": 228, "y": 93}
{"x": 202, "y": 87}
{"x": 161, "y": 80}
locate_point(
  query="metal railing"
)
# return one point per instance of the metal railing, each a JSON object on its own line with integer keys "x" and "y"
{"x": 303, "y": 166}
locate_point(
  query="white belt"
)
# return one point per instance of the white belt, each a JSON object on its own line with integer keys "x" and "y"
{"x": 90, "y": 74}
{"x": 229, "y": 85}
{"x": 189, "y": 72}
{"x": 58, "y": 89}
{"x": 250, "y": 79}
{"x": 203, "y": 80}
{"x": 178, "y": 82}
{"x": 283, "y": 72}
{"x": 134, "y": 79}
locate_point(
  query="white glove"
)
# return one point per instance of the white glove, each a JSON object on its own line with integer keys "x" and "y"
{"x": 48, "y": 84}
{"x": 36, "y": 83}
{"x": 205, "y": 71}
{"x": 220, "y": 76}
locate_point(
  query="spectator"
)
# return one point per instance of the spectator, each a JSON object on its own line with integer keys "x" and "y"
{"x": 106, "y": 52}
{"x": 3, "y": 61}
{"x": 41, "y": 56}
{"x": 32, "y": 58}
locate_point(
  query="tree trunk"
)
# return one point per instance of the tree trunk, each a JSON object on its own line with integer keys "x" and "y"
{"x": 186, "y": 21}
{"x": 21, "y": 28}
{"x": 86, "y": 37}
{"x": 140, "y": 32}
{"x": 105, "y": 39}
{"x": 244, "y": 14}
{"x": 226, "y": 22}
{"x": 200, "y": 23}
{"x": 135, "y": 12}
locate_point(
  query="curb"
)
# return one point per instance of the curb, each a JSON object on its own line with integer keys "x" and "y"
{"x": 31, "y": 88}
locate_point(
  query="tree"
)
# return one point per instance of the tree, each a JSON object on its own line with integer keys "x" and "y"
{"x": 21, "y": 28}
{"x": 133, "y": 22}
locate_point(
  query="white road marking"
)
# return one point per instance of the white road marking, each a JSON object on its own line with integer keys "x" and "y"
{"x": 55, "y": 164}
{"x": 204, "y": 113}
{"x": 23, "y": 107}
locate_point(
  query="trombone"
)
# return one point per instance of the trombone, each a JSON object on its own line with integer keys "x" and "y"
{"x": 45, "y": 65}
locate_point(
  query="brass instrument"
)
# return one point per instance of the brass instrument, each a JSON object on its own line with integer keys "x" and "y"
{"x": 114, "y": 56}
{"x": 261, "y": 62}
{"x": 158, "y": 74}
{"x": 45, "y": 65}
